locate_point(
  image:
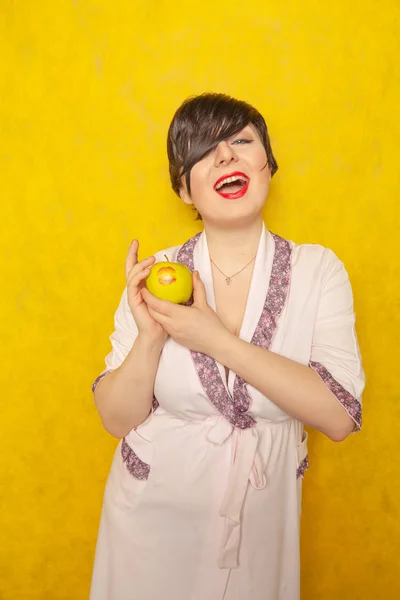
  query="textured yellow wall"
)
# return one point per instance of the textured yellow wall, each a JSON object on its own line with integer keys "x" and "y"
{"x": 87, "y": 92}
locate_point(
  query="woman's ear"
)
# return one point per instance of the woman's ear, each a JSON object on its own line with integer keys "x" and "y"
{"x": 183, "y": 192}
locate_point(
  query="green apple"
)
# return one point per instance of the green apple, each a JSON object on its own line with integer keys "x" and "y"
{"x": 170, "y": 281}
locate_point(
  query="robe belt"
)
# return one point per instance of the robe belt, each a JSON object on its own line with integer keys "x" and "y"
{"x": 246, "y": 466}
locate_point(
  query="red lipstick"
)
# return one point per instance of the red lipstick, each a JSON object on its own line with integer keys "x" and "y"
{"x": 233, "y": 195}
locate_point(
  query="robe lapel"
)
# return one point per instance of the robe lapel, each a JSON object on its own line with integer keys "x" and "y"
{"x": 267, "y": 295}
{"x": 203, "y": 265}
{"x": 275, "y": 299}
{"x": 257, "y": 293}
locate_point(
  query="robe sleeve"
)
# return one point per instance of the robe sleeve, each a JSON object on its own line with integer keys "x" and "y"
{"x": 122, "y": 338}
{"x": 335, "y": 353}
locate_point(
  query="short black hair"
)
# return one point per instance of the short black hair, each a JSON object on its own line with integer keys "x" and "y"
{"x": 201, "y": 123}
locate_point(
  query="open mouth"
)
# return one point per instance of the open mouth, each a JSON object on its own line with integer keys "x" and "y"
{"x": 232, "y": 185}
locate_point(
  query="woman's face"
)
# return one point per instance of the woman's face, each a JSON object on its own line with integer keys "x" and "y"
{"x": 230, "y": 184}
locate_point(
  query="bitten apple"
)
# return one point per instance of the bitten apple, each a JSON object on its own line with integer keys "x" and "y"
{"x": 170, "y": 281}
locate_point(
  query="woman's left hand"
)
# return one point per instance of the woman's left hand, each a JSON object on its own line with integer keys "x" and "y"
{"x": 196, "y": 327}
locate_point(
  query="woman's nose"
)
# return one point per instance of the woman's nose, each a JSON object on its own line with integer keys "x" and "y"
{"x": 224, "y": 154}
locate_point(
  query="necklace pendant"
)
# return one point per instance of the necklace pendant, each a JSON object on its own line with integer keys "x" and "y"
{"x": 228, "y": 280}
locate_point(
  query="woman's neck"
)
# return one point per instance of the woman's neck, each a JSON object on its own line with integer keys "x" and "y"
{"x": 231, "y": 248}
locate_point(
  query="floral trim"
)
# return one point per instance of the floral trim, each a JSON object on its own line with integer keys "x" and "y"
{"x": 186, "y": 252}
{"x": 349, "y": 402}
{"x": 155, "y": 404}
{"x": 274, "y": 303}
{"x": 136, "y": 467}
{"x": 302, "y": 468}
{"x": 99, "y": 378}
{"x": 210, "y": 379}
{"x": 233, "y": 408}
{"x": 186, "y": 257}
{"x": 206, "y": 367}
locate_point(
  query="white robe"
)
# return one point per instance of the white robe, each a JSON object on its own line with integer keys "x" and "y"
{"x": 198, "y": 508}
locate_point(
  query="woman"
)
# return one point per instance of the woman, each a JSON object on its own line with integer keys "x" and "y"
{"x": 210, "y": 399}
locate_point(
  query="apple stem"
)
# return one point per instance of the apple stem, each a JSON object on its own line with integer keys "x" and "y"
{"x": 166, "y": 258}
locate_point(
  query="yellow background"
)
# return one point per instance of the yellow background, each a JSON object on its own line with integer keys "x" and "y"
{"x": 88, "y": 89}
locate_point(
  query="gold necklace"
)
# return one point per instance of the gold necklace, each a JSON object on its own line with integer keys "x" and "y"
{"x": 228, "y": 280}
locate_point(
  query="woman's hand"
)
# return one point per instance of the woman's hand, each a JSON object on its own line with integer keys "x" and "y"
{"x": 196, "y": 327}
{"x": 136, "y": 273}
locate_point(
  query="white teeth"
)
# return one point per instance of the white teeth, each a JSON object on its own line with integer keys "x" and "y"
{"x": 231, "y": 180}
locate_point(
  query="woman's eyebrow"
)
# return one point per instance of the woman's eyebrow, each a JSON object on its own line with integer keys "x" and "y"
{"x": 241, "y": 131}
{"x": 246, "y": 132}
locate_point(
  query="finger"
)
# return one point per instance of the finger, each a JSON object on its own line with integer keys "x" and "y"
{"x": 135, "y": 298}
{"x": 161, "y": 306}
{"x": 199, "y": 290}
{"x": 140, "y": 266}
{"x": 161, "y": 319}
{"x": 132, "y": 256}
{"x": 135, "y": 279}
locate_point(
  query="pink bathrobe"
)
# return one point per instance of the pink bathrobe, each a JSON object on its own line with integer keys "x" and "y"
{"x": 203, "y": 499}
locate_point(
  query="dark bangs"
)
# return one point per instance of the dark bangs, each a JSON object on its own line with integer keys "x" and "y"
{"x": 201, "y": 123}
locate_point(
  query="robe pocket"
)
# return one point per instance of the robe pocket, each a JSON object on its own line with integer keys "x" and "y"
{"x": 135, "y": 458}
{"x": 302, "y": 457}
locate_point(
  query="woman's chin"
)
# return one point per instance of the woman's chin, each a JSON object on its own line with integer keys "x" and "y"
{"x": 239, "y": 216}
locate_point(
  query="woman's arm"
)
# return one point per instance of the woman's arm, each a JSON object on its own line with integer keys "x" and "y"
{"x": 124, "y": 396}
{"x": 296, "y": 389}
{"x": 325, "y": 394}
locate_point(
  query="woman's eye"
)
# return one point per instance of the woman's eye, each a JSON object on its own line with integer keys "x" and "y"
{"x": 242, "y": 141}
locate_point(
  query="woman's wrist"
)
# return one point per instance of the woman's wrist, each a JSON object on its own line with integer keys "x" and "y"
{"x": 220, "y": 344}
{"x": 149, "y": 344}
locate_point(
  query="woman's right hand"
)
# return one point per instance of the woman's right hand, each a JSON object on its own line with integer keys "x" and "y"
{"x": 136, "y": 273}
